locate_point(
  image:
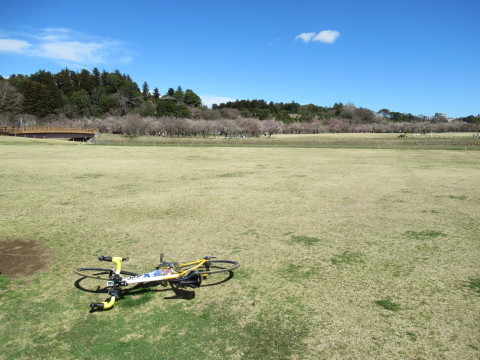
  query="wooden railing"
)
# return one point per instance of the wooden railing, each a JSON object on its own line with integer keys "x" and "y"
{"x": 13, "y": 130}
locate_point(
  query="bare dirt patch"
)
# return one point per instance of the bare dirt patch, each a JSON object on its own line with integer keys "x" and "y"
{"x": 20, "y": 258}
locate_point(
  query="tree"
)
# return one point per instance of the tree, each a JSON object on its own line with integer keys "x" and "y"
{"x": 35, "y": 99}
{"x": 270, "y": 127}
{"x": 337, "y": 107}
{"x": 113, "y": 83}
{"x": 82, "y": 102}
{"x": 64, "y": 81}
{"x": 99, "y": 100}
{"x": 148, "y": 108}
{"x": 145, "y": 90}
{"x": 10, "y": 98}
{"x": 385, "y": 113}
{"x": 192, "y": 99}
{"x": 179, "y": 94}
{"x": 156, "y": 93}
{"x": 182, "y": 111}
{"x": 96, "y": 77}
{"x": 284, "y": 116}
{"x": 170, "y": 92}
{"x": 166, "y": 108}
{"x": 262, "y": 114}
{"x": 86, "y": 81}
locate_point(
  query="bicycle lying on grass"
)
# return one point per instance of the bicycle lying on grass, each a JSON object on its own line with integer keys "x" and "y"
{"x": 177, "y": 275}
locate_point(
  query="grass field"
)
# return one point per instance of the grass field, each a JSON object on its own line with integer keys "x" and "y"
{"x": 440, "y": 141}
{"x": 344, "y": 253}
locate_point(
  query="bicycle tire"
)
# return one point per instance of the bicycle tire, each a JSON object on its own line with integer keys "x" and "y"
{"x": 216, "y": 267}
{"x": 99, "y": 273}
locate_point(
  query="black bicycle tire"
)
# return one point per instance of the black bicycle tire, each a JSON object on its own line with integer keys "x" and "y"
{"x": 219, "y": 266}
{"x": 80, "y": 271}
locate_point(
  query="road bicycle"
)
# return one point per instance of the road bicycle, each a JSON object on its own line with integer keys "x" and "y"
{"x": 177, "y": 275}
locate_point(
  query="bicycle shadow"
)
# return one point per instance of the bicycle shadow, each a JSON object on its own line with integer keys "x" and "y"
{"x": 90, "y": 285}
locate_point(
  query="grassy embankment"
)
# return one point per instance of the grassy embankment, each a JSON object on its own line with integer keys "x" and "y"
{"x": 345, "y": 253}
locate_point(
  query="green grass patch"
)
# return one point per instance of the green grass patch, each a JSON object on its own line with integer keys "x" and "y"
{"x": 412, "y": 335}
{"x": 388, "y": 304}
{"x": 175, "y": 331}
{"x": 89, "y": 176}
{"x": 231, "y": 175}
{"x": 348, "y": 258}
{"x": 431, "y": 211}
{"x": 474, "y": 285}
{"x": 457, "y": 197}
{"x": 4, "y": 282}
{"x": 425, "y": 234}
{"x": 305, "y": 240}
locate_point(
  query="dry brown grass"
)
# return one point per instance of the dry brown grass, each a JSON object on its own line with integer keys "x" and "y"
{"x": 363, "y": 253}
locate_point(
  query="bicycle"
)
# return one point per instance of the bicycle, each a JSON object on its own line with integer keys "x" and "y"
{"x": 177, "y": 275}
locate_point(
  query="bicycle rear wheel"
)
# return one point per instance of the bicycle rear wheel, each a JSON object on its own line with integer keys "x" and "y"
{"x": 212, "y": 267}
{"x": 100, "y": 274}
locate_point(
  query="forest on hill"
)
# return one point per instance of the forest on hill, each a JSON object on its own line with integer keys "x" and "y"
{"x": 113, "y": 102}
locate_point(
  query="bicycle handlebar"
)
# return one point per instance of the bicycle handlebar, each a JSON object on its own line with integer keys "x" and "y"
{"x": 103, "y": 305}
{"x": 115, "y": 259}
{"x": 110, "y": 258}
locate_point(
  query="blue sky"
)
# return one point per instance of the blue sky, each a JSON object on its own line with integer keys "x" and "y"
{"x": 417, "y": 57}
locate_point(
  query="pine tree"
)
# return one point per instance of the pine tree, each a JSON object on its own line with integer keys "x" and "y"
{"x": 145, "y": 91}
{"x": 179, "y": 94}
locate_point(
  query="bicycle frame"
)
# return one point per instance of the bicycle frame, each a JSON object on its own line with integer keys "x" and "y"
{"x": 157, "y": 275}
{"x": 165, "y": 273}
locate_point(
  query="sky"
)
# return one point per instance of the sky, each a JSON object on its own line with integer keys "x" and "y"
{"x": 418, "y": 57}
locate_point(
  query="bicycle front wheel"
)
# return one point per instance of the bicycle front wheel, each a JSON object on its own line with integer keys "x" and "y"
{"x": 211, "y": 267}
{"x": 101, "y": 274}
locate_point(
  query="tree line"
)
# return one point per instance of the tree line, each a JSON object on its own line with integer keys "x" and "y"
{"x": 113, "y": 102}
{"x": 84, "y": 93}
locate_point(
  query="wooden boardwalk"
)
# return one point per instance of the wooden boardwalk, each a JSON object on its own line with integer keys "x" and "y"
{"x": 49, "y": 132}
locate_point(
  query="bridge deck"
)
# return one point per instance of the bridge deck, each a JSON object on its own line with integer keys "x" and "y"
{"x": 13, "y": 130}
{"x": 48, "y": 132}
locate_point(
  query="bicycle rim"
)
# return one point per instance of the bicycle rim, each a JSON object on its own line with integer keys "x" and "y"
{"x": 100, "y": 274}
{"x": 216, "y": 267}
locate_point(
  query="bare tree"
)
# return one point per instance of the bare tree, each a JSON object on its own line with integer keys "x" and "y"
{"x": 271, "y": 127}
{"x": 134, "y": 124}
{"x": 248, "y": 126}
{"x": 10, "y": 98}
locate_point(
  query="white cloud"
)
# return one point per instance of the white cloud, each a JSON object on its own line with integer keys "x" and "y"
{"x": 14, "y": 45}
{"x": 67, "y": 47}
{"x": 325, "y": 36}
{"x": 72, "y": 51}
{"x": 56, "y": 34}
{"x": 209, "y": 100}
{"x": 306, "y": 37}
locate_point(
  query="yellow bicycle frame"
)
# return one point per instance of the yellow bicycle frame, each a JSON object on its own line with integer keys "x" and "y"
{"x": 194, "y": 265}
